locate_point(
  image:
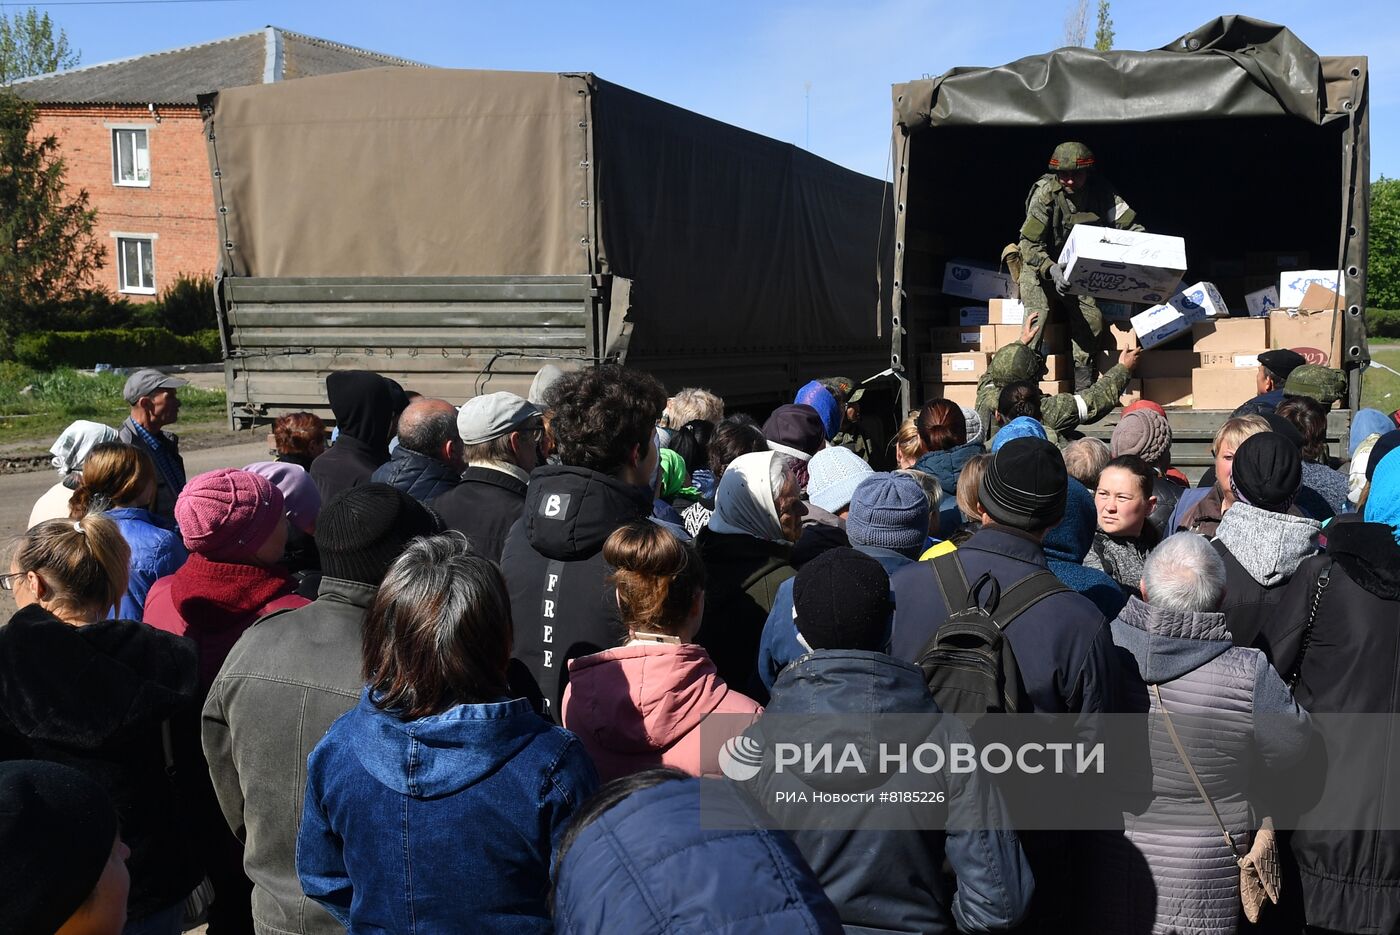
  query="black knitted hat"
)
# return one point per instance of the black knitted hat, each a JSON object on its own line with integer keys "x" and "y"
{"x": 1267, "y": 472}
{"x": 363, "y": 529}
{"x": 1024, "y": 485}
{"x": 57, "y": 828}
{"x": 842, "y": 599}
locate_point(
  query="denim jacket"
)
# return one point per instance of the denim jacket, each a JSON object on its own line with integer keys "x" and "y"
{"x": 442, "y": 824}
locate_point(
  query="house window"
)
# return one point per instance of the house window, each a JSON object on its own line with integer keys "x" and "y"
{"x": 136, "y": 264}
{"x": 131, "y": 158}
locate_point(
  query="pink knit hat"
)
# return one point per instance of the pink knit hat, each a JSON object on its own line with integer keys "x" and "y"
{"x": 226, "y": 515}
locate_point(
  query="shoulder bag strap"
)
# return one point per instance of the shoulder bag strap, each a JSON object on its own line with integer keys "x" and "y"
{"x": 1186, "y": 761}
{"x": 1024, "y": 595}
{"x": 1323, "y": 578}
{"x": 952, "y": 583}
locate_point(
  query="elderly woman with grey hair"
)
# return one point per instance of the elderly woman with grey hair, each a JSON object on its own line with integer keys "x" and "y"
{"x": 1171, "y": 870}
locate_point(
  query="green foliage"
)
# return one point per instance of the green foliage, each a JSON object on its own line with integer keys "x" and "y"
{"x": 1382, "y": 323}
{"x": 1103, "y": 35}
{"x": 45, "y": 350}
{"x": 28, "y": 46}
{"x": 39, "y": 405}
{"x": 187, "y": 305}
{"x": 47, "y": 246}
{"x": 1383, "y": 244}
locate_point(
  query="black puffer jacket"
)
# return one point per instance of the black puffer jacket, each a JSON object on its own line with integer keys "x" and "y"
{"x": 421, "y": 477}
{"x": 1348, "y": 877}
{"x": 560, "y": 601}
{"x": 94, "y": 698}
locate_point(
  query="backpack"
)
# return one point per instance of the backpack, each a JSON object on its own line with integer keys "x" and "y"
{"x": 968, "y": 662}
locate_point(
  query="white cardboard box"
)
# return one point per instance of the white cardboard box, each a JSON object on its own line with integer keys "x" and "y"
{"x": 963, "y": 279}
{"x": 1203, "y": 296}
{"x": 973, "y": 315}
{"x": 1124, "y": 266}
{"x": 1293, "y": 283}
{"x": 1163, "y": 322}
{"x": 1261, "y": 302}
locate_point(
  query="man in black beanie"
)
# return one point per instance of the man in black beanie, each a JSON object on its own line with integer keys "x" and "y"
{"x": 881, "y": 880}
{"x": 286, "y": 680}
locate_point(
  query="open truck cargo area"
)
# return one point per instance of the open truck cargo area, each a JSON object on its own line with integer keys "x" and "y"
{"x": 1236, "y": 137}
{"x": 457, "y": 230}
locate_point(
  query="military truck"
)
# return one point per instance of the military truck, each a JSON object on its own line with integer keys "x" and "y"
{"x": 457, "y": 230}
{"x": 1235, "y": 136}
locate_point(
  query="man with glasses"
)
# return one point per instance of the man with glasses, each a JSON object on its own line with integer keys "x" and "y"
{"x": 501, "y": 436}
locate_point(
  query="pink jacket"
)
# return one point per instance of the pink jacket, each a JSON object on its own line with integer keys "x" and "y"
{"x": 641, "y": 706}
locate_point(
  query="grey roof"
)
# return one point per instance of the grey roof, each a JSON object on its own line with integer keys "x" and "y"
{"x": 178, "y": 76}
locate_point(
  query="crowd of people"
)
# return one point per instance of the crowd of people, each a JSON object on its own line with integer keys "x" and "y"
{"x": 450, "y": 672}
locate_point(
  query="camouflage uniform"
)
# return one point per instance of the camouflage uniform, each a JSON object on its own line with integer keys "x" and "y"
{"x": 1051, "y": 212}
{"x": 1323, "y": 384}
{"x": 1060, "y": 413}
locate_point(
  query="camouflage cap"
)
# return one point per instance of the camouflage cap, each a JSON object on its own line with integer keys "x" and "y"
{"x": 1015, "y": 363}
{"x": 840, "y": 386}
{"x": 1318, "y": 382}
{"x": 1068, "y": 157}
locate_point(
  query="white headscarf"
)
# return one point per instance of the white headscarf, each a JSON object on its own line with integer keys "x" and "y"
{"x": 72, "y": 447}
{"x": 744, "y": 502}
{"x": 1356, "y": 477}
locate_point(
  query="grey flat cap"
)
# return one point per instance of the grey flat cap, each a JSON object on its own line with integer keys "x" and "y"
{"x": 145, "y": 382}
{"x": 483, "y": 418}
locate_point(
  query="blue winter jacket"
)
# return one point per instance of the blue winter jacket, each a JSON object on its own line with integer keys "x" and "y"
{"x": 947, "y": 465}
{"x": 1066, "y": 545}
{"x": 421, "y": 477}
{"x": 155, "y": 553}
{"x": 439, "y": 825}
{"x": 656, "y": 862}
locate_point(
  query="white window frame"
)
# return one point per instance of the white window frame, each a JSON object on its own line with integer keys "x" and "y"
{"x": 137, "y": 182}
{"x": 121, "y": 238}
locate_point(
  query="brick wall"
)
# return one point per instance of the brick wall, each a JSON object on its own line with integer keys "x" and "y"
{"x": 178, "y": 207}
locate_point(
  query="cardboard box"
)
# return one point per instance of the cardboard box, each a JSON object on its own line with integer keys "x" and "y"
{"x": 1320, "y": 299}
{"x": 964, "y": 394}
{"x": 1124, "y": 337}
{"x": 1163, "y": 364}
{"x": 1261, "y": 301}
{"x": 1169, "y": 391}
{"x": 995, "y": 337}
{"x": 1059, "y": 367}
{"x": 1124, "y": 266}
{"x": 1118, "y": 311}
{"x": 963, "y": 368}
{"x": 1132, "y": 394}
{"x": 1005, "y": 312}
{"x": 973, "y": 315}
{"x": 1055, "y": 387}
{"x": 1221, "y": 388}
{"x": 944, "y": 340}
{"x": 1203, "y": 297}
{"x": 1161, "y": 323}
{"x": 1228, "y": 335}
{"x": 1292, "y": 284}
{"x": 970, "y": 281}
{"x": 1308, "y": 333}
{"x": 1230, "y": 360}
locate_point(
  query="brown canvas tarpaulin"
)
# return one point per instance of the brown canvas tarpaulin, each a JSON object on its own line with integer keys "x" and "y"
{"x": 405, "y": 172}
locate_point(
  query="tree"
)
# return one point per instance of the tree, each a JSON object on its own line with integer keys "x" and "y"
{"x": 28, "y": 46}
{"x": 1103, "y": 35}
{"x": 1077, "y": 22}
{"x": 47, "y": 247}
{"x": 1383, "y": 245}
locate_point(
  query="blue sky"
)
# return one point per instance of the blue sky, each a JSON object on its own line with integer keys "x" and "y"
{"x": 744, "y": 63}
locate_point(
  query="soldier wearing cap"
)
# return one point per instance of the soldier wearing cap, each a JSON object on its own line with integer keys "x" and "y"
{"x": 1071, "y": 193}
{"x": 851, "y": 434}
{"x": 1315, "y": 381}
{"x": 501, "y": 434}
{"x": 154, "y": 405}
{"x": 1274, "y": 368}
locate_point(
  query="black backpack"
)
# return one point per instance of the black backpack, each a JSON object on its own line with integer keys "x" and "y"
{"x": 968, "y": 662}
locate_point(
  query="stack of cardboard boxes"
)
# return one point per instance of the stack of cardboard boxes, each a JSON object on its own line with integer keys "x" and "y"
{"x": 981, "y": 332}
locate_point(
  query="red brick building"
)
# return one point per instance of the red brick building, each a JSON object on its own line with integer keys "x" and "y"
{"x": 131, "y": 135}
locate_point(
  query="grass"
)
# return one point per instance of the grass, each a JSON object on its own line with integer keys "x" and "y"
{"x": 57, "y": 398}
{"x": 1380, "y": 389}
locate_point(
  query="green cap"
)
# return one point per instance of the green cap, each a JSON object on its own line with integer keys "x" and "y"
{"x": 1069, "y": 157}
{"x": 1015, "y": 363}
{"x": 1318, "y": 382}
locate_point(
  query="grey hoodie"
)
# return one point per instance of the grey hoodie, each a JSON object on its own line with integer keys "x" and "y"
{"x": 1269, "y": 545}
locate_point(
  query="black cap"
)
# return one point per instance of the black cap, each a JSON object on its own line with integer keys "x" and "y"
{"x": 796, "y": 426}
{"x": 363, "y": 529}
{"x": 1282, "y": 362}
{"x": 842, "y": 599}
{"x": 1024, "y": 485}
{"x": 57, "y": 830}
{"x": 1267, "y": 472}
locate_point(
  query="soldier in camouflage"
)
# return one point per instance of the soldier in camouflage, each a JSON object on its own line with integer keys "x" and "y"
{"x": 852, "y": 434}
{"x": 1071, "y": 193}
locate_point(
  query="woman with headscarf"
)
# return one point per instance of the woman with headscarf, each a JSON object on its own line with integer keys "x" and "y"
{"x": 69, "y": 452}
{"x": 747, "y": 549}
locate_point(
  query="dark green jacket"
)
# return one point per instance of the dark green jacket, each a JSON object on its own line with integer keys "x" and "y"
{"x": 1061, "y": 413}
{"x": 1051, "y": 212}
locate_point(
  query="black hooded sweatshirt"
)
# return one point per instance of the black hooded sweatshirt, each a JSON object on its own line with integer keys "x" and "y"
{"x": 560, "y": 601}
{"x": 365, "y": 407}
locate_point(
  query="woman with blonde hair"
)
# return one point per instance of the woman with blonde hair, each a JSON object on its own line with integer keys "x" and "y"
{"x": 119, "y": 481}
{"x": 908, "y": 446}
{"x": 93, "y": 694}
{"x": 641, "y": 705}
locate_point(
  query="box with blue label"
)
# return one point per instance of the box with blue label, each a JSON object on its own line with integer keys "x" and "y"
{"x": 1202, "y": 297}
{"x": 1293, "y": 285}
{"x": 969, "y": 281}
{"x": 1123, "y": 266}
{"x": 1161, "y": 323}
{"x": 1262, "y": 301}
